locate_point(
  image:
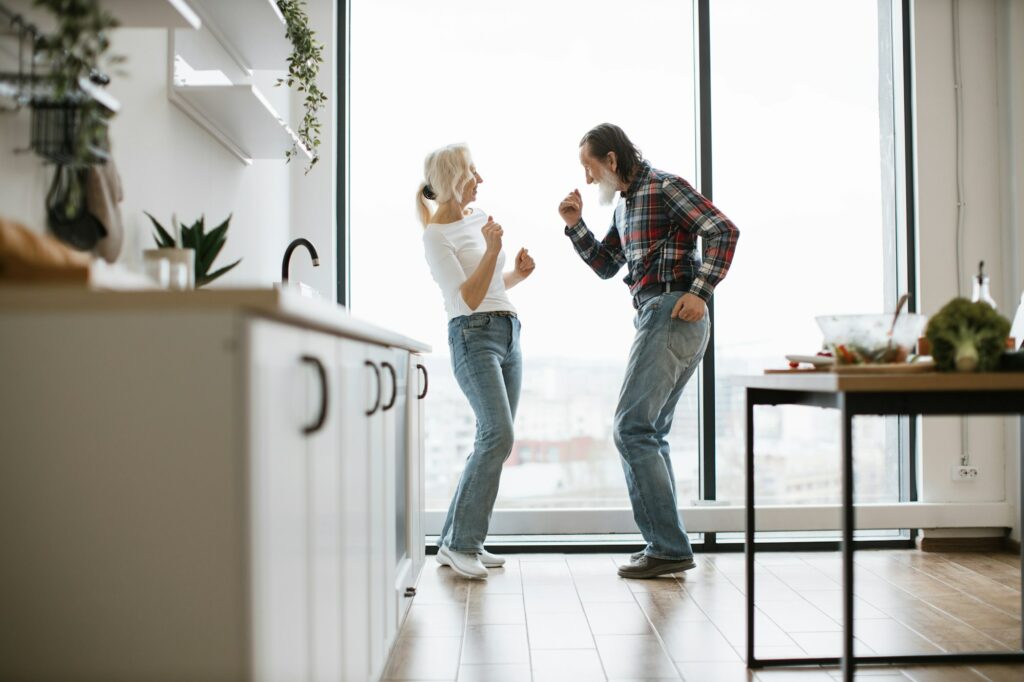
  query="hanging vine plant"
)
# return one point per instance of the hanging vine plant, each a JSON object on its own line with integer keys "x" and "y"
{"x": 303, "y": 66}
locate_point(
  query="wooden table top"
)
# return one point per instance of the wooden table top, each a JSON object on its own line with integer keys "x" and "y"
{"x": 830, "y": 382}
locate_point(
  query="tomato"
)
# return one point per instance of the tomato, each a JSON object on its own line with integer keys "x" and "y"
{"x": 845, "y": 354}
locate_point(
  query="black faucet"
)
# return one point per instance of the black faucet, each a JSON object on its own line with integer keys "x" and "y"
{"x": 288, "y": 256}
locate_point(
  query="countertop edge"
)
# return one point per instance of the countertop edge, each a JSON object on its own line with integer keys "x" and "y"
{"x": 277, "y": 304}
{"x": 829, "y": 382}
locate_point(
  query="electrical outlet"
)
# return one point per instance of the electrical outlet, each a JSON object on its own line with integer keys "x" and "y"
{"x": 963, "y": 473}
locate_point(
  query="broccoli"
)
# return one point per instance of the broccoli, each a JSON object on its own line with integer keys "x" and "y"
{"x": 967, "y": 336}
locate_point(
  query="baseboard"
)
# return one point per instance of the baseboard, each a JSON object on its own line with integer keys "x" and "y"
{"x": 989, "y": 544}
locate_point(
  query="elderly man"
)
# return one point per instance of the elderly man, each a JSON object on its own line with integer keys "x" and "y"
{"x": 654, "y": 233}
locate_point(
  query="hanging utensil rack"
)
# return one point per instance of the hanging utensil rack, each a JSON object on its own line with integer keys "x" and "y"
{"x": 56, "y": 119}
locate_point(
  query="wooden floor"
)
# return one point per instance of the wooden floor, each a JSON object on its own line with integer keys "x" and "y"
{"x": 570, "y": 617}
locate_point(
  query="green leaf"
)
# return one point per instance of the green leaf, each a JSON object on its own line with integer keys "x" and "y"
{"x": 219, "y": 231}
{"x": 211, "y": 251}
{"x": 162, "y": 238}
{"x": 209, "y": 247}
{"x": 214, "y": 275}
{"x": 186, "y": 237}
{"x": 204, "y": 261}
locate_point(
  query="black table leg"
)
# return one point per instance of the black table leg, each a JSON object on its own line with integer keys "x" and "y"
{"x": 749, "y": 531}
{"x": 846, "y": 431}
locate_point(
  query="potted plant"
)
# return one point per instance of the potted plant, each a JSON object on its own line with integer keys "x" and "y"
{"x": 197, "y": 250}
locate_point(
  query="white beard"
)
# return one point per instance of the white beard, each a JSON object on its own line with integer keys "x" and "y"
{"x": 606, "y": 187}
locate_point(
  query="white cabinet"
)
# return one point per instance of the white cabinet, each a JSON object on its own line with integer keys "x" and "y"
{"x": 331, "y": 472}
{"x": 279, "y": 506}
{"x": 354, "y": 437}
{"x": 247, "y": 490}
{"x": 410, "y": 543}
{"x": 377, "y": 512}
{"x": 326, "y": 453}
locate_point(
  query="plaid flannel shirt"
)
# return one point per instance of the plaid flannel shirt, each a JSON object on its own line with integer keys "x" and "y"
{"x": 654, "y": 231}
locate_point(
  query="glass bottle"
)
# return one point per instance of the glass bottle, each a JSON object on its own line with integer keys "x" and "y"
{"x": 982, "y": 291}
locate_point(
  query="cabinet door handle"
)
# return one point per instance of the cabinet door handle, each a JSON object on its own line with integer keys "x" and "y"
{"x": 426, "y": 382}
{"x": 394, "y": 386}
{"x": 376, "y": 404}
{"x": 324, "y": 397}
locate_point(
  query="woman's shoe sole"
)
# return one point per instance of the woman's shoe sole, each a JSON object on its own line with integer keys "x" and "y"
{"x": 445, "y": 561}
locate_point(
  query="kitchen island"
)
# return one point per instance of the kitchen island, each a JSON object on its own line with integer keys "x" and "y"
{"x": 220, "y": 484}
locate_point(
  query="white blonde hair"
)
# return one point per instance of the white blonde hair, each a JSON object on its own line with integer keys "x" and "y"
{"x": 446, "y": 173}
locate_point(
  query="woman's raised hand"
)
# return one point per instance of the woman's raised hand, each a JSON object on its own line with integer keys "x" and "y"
{"x": 524, "y": 263}
{"x": 492, "y": 235}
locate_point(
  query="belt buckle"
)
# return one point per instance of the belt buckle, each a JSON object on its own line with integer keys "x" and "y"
{"x": 643, "y": 296}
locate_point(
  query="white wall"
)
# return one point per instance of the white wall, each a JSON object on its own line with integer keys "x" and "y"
{"x": 992, "y": 70}
{"x": 169, "y": 164}
{"x": 314, "y": 194}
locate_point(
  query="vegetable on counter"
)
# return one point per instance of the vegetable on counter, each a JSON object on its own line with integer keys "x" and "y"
{"x": 854, "y": 354}
{"x": 967, "y": 337}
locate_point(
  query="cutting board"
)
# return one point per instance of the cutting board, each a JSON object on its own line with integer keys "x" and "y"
{"x": 885, "y": 368}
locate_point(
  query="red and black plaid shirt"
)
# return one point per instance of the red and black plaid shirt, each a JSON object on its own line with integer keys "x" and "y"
{"x": 654, "y": 231}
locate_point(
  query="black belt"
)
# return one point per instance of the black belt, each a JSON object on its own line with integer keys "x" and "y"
{"x": 497, "y": 313}
{"x": 652, "y": 290}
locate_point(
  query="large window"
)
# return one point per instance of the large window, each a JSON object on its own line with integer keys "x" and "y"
{"x": 799, "y": 165}
{"x": 799, "y": 143}
{"x": 520, "y": 83}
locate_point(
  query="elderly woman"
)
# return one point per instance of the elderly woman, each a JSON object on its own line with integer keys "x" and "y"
{"x": 464, "y": 251}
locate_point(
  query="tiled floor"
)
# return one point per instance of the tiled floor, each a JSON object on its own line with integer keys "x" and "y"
{"x": 570, "y": 617}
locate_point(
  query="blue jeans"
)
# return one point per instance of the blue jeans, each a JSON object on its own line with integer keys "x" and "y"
{"x": 665, "y": 353}
{"x": 489, "y": 368}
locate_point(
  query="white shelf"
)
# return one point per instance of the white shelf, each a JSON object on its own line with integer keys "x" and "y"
{"x": 253, "y": 30}
{"x": 130, "y": 13}
{"x": 240, "y": 117}
{"x": 153, "y": 13}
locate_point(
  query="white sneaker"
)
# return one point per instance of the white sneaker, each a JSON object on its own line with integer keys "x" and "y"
{"x": 486, "y": 558}
{"x": 491, "y": 560}
{"x": 466, "y": 565}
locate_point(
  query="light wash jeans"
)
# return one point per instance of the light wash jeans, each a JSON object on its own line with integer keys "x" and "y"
{"x": 665, "y": 353}
{"x": 489, "y": 368}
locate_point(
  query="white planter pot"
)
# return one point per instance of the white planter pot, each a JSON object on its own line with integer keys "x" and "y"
{"x": 179, "y": 271}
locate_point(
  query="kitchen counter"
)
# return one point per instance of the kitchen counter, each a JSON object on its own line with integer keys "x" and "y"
{"x": 283, "y": 305}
